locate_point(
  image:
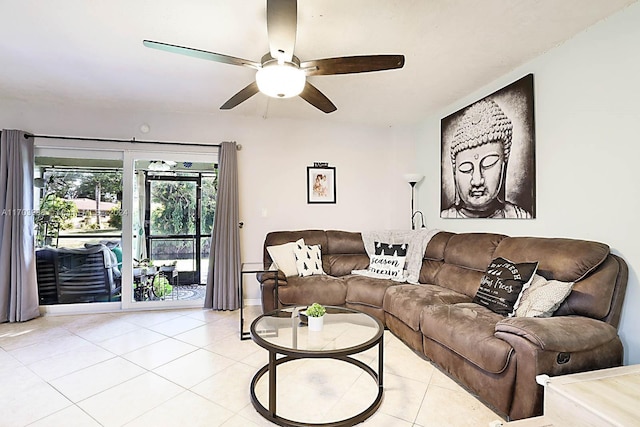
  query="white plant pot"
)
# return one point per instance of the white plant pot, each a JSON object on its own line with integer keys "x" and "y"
{"x": 315, "y": 323}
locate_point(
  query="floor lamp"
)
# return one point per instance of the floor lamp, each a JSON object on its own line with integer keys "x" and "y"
{"x": 413, "y": 179}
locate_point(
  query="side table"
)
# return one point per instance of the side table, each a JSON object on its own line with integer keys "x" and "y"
{"x": 250, "y": 268}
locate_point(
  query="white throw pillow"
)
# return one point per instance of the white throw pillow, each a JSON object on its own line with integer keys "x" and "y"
{"x": 543, "y": 297}
{"x": 308, "y": 260}
{"x": 284, "y": 258}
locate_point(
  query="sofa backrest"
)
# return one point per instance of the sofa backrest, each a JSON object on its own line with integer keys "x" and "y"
{"x": 342, "y": 251}
{"x": 458, "y": 261}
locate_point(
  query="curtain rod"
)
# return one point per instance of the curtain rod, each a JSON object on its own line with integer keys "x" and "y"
{"x": 132, "y": 140}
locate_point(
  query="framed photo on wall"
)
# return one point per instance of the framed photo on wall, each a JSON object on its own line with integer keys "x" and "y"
{"x": 488, "y": 156}
{"x": 321, "y": 184}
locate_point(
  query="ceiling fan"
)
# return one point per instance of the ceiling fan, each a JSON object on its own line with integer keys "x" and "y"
{"x": 280, "y": 74}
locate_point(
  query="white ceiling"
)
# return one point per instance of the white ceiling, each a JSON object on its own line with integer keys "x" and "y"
{"x": 90, "y": 52}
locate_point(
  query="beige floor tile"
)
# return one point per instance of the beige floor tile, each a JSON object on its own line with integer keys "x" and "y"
{"x": 83, "y": 321}
{"x": 357, "y": 398}
{"x": 64, "y": 363}
{"x": 125, "y": 343}
{"x": 8, "y": 363}
{"x": 149, "y": 318}
{"x": 25, "y": 398}
{"x": 207, "y": 315}
{"x": 109, "y": 328}
{"x": 176, "y": 326}
{"x": 193, "y": 368}
{"x": 403, "y": 362}
{"x": 71, "y": 416}
{"x": 233, "y": 347}
{"x": 14, "y": 336}
{"x": 402, "y": 397}
{"x": 185, "y": 409}
{"x": 159, "y": 353}
{"x": 129, "y": 400}
{"x": 443, "y": 406}
{"x": 380, "y": 419}
{"x": 204, "y": 335}
{"x": 229, "y": 388}
{"x": 250, "y": 413}
{"x": 239, "y": 421}
{"x": 256, "y": 359}
{"x": 443, "y": 380}
{"x": 86, "y": 382}
{"x": 48, "y": 348}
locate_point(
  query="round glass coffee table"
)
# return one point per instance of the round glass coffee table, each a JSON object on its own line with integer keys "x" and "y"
{"x": 345, "y": 332}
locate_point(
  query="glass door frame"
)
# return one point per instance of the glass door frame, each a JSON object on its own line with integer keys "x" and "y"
{"x": 129, "y": 180}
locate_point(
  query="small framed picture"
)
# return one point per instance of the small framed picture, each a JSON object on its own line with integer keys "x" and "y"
{"x": 321, "y": 184}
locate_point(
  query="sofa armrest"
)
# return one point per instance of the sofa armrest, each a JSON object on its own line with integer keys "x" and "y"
{"x": 269, "y": 289}
{"x": 562, "y": 334}
{"x": 555, "y": 346}
{"x": 270, "y": 275}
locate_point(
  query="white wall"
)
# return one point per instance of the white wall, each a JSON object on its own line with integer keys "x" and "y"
{"x": 369, "y": 161}
{"x": 587, "y": 114}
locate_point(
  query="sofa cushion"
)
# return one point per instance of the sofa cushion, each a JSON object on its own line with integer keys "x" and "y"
{"x": 366, "y": 290}
{"x": 568, "y": 260}
{"x": 594, "y": 295}
{"x": 343, "y": 264}
{"x": 344, "y": 242}
{"x": 502, "y": 285}
{"x": 472, "y": 337}
{"x": 543, "y": 297}
{"x": 472, "y": 250}
{"x": 459, "y": 279}
{"x": 326, "y": 290}
{"x": 407, "y": 301}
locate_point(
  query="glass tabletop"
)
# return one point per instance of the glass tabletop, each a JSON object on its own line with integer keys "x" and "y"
{"x": 345, "y": 331}
{"x": 254, "y": 267}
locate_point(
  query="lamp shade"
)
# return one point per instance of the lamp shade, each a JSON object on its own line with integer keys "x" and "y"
{"x": 413, "y": 178}
{"x": 280, "y": 80}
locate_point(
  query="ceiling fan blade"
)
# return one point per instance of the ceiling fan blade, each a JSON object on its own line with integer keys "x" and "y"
{"x": 202, "y": 54}
{"x": 282, "y": 21}
{"x": 316, "y": 98}
{"x": 241, "y": 96}
{"x": 352, "y": 64}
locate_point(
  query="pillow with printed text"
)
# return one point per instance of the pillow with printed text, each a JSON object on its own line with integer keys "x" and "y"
{"x": 502, "y": 285}
{"x": 388, "y": 261}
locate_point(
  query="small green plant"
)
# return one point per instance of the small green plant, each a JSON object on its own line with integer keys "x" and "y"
{"x": 161, "y": 286}
{"x": 316, "y": 310}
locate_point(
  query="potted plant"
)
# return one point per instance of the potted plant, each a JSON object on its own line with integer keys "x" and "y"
{"x": 315, "y": 313}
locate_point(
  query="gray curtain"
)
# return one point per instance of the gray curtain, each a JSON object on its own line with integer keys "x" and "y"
{"x": 18, "y": 283}
{"x": 223, "y": 280}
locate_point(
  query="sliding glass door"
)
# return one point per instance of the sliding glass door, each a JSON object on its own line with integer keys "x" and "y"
{"x": 122, "y": 225}
{"x": 174, "y": 205}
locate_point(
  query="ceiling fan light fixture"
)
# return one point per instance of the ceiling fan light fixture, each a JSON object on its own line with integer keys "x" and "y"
{"x": 280, "y": 80}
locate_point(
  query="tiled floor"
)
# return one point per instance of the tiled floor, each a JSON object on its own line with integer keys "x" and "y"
{"x": 189, "y": 368}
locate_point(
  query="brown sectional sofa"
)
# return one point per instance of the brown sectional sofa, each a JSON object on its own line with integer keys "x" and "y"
{"x": 495, "y": 357}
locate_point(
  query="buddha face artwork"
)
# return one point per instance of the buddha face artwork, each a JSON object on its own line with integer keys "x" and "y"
{"x": 487, "y": 156}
